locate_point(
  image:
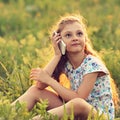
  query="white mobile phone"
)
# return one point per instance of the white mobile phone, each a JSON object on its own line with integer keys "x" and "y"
{"x": 62, "y": 46}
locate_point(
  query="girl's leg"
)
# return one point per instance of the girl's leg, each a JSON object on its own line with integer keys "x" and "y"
{"x": 34, "y": 94}
{"x": 80, "y": 108}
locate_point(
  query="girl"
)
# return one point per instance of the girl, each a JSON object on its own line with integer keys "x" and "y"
{"x": 89, "y": 78}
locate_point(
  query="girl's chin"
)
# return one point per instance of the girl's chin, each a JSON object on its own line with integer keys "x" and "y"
{"x": 75, "y": 51}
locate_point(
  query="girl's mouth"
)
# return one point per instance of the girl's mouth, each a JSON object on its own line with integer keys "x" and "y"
{"x": 75, "y": 44}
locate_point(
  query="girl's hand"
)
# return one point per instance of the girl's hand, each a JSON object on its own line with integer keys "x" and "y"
{"x": 41, "y": 85}
{"x": 55, "y": 40}
{"x": 39, "y": 75}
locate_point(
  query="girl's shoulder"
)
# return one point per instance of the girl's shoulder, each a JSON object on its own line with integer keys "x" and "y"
{"x": 94, "y": 60}
{"x": 94, "y": 64}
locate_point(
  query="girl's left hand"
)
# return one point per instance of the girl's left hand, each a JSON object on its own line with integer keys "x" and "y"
{"x": 39, "y": 75}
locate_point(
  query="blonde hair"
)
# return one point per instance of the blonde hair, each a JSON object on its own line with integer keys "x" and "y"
{"x": 59, "y": 26}
{"x": 115, "y": 95}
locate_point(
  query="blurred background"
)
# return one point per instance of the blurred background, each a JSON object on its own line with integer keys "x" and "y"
{"x": 24, "y": 38}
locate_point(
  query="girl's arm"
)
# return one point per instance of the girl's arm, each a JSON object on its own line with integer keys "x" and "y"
{"x": 67, "y": 94}
{"x": 50, "y": 67}
{"x": 53, "y": 63}
{"x": 83, "y": 91}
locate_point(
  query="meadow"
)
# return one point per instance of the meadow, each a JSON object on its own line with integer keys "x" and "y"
{"x": 25, "y": 44}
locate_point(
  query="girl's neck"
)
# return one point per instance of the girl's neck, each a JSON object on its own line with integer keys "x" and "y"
{"x": 76, "y": 59}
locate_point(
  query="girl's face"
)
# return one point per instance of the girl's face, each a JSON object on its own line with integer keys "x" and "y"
{"x": 74, "y": 37}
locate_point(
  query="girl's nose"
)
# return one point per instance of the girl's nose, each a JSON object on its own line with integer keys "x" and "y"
{"x": 75, "y": 37}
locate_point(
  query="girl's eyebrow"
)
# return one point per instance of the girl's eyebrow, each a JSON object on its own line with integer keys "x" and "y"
{"x": 67, "y": 32}
{"x": 80, "y": 30}
{"x": 71, "y": 31}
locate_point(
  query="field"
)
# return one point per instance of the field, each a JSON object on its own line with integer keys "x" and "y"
{"x": 25, "y": 44}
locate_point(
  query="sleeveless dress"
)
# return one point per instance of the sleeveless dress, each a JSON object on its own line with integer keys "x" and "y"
{"x": 101, "y": 95}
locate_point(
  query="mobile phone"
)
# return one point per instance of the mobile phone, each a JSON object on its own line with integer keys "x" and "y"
{"x": 62, "y": 46}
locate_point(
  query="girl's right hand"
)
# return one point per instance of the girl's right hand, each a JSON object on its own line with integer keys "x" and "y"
{"x": 55, "y": 40}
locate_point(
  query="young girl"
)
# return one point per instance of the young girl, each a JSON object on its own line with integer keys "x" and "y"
{"x": 90, "y": 86}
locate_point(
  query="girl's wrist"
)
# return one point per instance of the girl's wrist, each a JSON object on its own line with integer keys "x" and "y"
{"x": 57, "y": 57}
{"x": 50, "y": 82}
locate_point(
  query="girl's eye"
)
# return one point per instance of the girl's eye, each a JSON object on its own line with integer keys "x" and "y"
{"x": 68, "y": 35}
{"x": 79, "y": 33}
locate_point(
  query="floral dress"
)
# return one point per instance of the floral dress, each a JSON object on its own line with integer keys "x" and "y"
{"x": 101, "y": 95}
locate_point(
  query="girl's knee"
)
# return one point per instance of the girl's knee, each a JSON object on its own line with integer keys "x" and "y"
{"x": 80, "y": 105}
{"x": 33, "y": 91}
{"x": 78, "y": 102}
